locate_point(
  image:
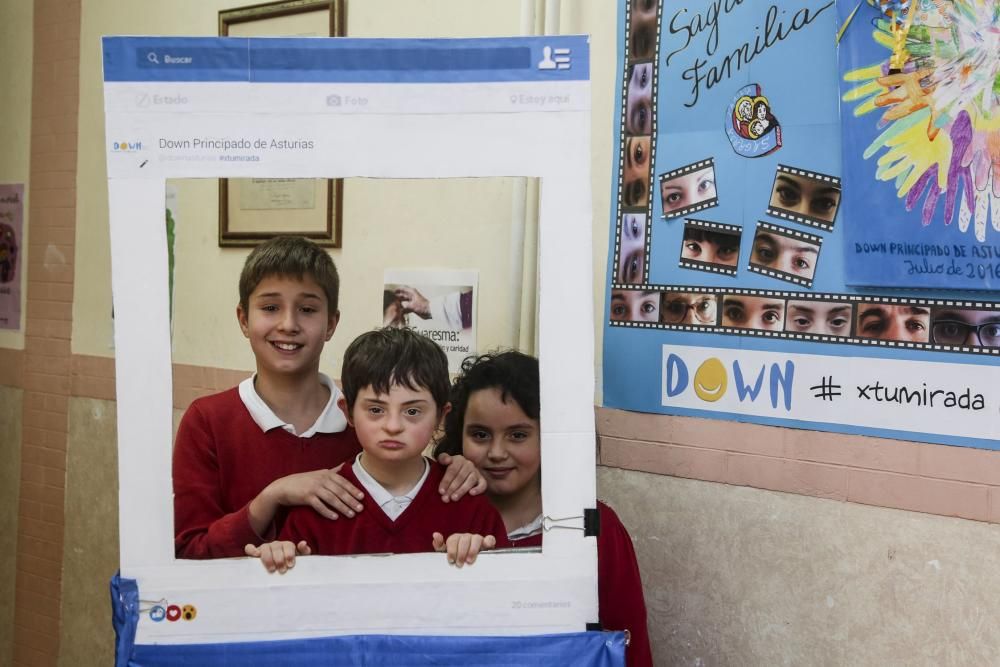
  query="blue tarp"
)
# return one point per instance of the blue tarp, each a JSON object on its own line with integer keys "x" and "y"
{"x": 586, "y": 649}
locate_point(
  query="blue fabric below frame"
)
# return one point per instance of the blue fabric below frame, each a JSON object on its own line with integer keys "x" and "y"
{"x": 586, "y": 649}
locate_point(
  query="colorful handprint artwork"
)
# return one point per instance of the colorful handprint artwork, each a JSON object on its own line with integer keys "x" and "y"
{"x": 931, "y": 96}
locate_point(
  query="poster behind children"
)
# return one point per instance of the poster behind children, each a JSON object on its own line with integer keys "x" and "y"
{"x": 11, "y": 254}
{"x": 440, "y": 304}
{"x": 745, "y": 187}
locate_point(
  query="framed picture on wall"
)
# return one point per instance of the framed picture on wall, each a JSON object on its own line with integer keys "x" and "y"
{"x": 252, "y": 210}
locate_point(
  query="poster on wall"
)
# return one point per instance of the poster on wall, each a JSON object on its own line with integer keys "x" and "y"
{"x": 754, "y": 166}
{"x": 11, "y": 259}
{"x": 439, "y": 304}
{"x": 921, "y": 145}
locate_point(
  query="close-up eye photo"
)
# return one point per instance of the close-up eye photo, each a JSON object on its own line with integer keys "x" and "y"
{"x": 690, "y": 191}
{"x": 632, "y": 248}
{"x": 635, "y": 306}
{"x": 794, "y": 256}
{"x": 965, "y": 327}
{"x": 710, "y": 248}
{"x": 829, "y": 318}
{"x": 639, "y": 104}
{"x": 803, "y": 196}
{"x": 642, "y": 29}
{"x": 892, "y": 322}
{"x": 689, "y": 308}
{"x": 637, "y": 172}
{"x": 753, "y": 312}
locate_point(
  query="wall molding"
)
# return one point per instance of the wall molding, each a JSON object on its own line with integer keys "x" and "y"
{"x": 933, "y": 479}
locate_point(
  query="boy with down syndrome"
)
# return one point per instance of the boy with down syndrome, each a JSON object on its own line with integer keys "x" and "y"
{"x": 243, "y": 456}
{"x": 494, "y": 422}
{"x": 395, "y": 395}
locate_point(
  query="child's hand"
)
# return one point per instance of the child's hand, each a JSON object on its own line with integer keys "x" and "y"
{"x": 460, "y": 477}
{"x": 323, "y": 490}
{"x": 277, "y": 555}
{"x": 463, "y": 548}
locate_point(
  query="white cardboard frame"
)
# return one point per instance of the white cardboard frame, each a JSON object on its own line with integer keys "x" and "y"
{"x": 551, "y": 591}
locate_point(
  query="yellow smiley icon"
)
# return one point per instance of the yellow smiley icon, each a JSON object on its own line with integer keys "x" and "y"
{"x": 710, "y": 380}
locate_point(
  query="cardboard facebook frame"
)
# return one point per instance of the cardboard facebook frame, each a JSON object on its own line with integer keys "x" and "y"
{"x": 224, "y": 107}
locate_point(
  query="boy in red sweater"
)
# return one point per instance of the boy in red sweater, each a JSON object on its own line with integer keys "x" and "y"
{"x": 278, "y": 439}
{"x": 396, "y": 394}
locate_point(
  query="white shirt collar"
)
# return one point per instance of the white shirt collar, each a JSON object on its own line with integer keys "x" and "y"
{"x": 392, "y": 505}
{"x": 527, "y": 530}
{"x": 331, "y": 420}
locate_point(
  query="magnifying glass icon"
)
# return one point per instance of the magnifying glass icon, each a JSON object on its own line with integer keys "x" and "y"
{"x": 151, "y": 57}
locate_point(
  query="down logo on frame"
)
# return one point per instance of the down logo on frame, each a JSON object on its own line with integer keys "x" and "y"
{"x": 711, "y": 380}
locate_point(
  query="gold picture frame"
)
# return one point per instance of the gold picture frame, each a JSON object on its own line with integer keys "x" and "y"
{"x": 253, "y": 210}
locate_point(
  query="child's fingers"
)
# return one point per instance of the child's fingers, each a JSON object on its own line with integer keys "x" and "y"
{"x": 252, "y": 551}
{"x": 462, "y": 549}
{"x": 466, "y": 477}
{"x": 437, "y": 541}
{"x": 475, "y": 545}
{"x": 480, "y": 486}
{"x": 278, "y": 556}
{"x": 341, "y": 495}
{"x": 354, "y": 492}
{"x": 444, "y": 488}
{"x": 267, "y": 558}
{"x": 303, "y": 548}
{"x": 460, "y": 477}
{"x": 317, "y": 503}
{"x": 489, "y": 542}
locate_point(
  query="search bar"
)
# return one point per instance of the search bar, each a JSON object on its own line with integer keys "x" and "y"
{"x": 346, "y": 60}
{"x": 195, "y": 58}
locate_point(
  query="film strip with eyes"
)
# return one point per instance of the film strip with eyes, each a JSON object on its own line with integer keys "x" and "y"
{"x": 637, "y": 150}
{"x": 803, "y": 196}
{"x": 785, "y": 254}
{"x": 688, "y": 189}
{"x": 938, "y": 325}
{"x": 710, "y": 246}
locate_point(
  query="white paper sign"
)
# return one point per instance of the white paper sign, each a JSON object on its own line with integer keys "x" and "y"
{"x": 278, "y": 108}
{"x": 947, "y": 398}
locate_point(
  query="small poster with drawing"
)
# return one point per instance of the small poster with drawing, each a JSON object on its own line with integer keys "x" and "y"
{"x": 439, "y": 304}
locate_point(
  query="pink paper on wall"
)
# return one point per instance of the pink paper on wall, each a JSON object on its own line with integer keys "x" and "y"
{"x": 11, "y": 255}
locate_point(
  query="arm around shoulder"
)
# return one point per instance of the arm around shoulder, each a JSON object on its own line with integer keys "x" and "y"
{"x": 203, "y": 526}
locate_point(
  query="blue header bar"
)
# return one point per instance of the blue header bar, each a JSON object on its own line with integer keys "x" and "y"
{"x": 346, "y": 60}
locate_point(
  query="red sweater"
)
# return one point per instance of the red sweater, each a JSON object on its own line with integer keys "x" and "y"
{"x": 619, "y": 587}
{"x": 222, "y": 460}
{"x": 372, "y": 531}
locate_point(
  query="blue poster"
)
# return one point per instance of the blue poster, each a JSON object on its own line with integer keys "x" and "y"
{"x": 921, "y": 145}
{"x": 776, "y": 228}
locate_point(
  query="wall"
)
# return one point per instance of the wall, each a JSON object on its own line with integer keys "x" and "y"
{"x": 10, "y": 454}
{"x": 748, "y": 550}
{"x": 91, "y": 554}
{"x": 15, "y": 133}
{"x": 376, "y": 213}
{"x": 738, "y": 576}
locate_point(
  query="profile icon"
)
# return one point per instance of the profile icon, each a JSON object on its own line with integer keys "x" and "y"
{"x": 546, "y": 61}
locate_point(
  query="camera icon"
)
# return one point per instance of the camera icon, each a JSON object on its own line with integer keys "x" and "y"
{"x": 333, "y": 100}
